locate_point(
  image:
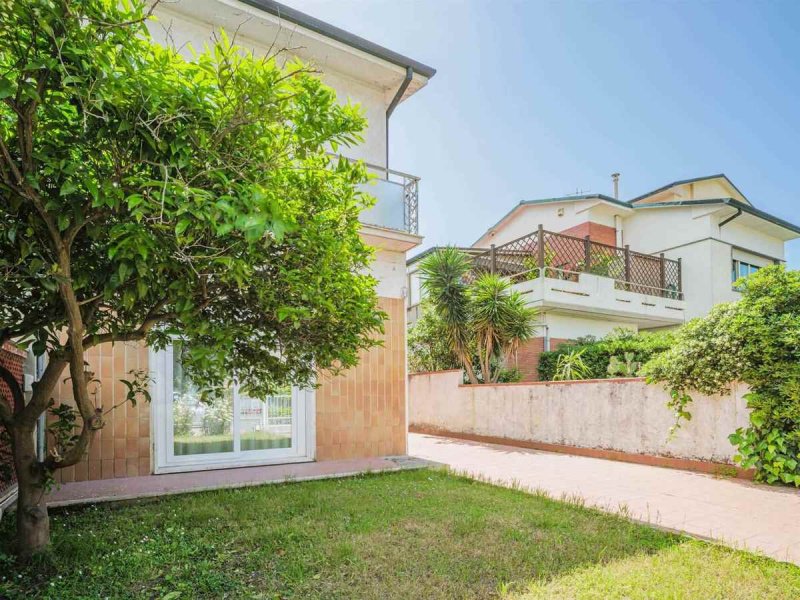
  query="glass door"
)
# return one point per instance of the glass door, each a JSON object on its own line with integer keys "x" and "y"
{"x": 232, "y": 430}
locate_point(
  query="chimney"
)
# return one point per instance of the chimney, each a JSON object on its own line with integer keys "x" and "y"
{"x": 615, "y": 179}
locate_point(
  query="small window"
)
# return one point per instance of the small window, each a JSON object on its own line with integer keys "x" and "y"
{"x": 742, "y": 269}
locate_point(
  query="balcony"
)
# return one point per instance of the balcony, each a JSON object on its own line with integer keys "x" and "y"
{"x": 577, "y": 275}
{"x": 396, "y": 200}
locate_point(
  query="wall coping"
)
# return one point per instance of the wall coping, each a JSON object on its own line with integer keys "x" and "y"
{"x": 545, "y": 383}
{"x": 435, "y": 372}
{"x": 535, "y": 383}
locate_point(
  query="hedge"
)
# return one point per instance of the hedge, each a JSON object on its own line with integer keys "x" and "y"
{"x": 598, "y": 353}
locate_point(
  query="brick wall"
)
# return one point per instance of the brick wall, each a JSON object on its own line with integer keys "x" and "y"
{"x": 602, "y": 234}
{"x": 122, "y": 447}
{"x": 12, "y": 359}
{"x": 363, "y": 411}
{"x": 359, "y": 413}
{"x": 528, "y": 356}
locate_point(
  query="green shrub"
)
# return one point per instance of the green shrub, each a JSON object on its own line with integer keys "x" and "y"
{"x": 571, "y": 366}
{"x": 428, "y": 346}
{"x": 598, "y": 354}
{"x": 755, "y": 341}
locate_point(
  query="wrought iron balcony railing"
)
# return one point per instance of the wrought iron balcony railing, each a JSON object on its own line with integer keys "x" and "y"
{"x": 396, "y": 199}
{"x": 559, "y": 256}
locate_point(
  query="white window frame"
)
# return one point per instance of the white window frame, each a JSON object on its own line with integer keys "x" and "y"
{"x": 735, "y": 262}
{"x": 303, "y": 448}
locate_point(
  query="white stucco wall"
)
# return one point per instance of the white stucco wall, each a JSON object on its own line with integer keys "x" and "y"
{"x": 568, "y": 326}
{"x": 389, "y": 268}
{"x": 623, "y": 415}
{"x": 527, "y": 218}
{"x": 706, "y": 250}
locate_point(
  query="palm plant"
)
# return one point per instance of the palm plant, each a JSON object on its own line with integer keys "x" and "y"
{"x": 442, "y": 274}
{"x": 571, "y": 366}
{"x": 500, "y": 320}
{"x": 486, "y": 318}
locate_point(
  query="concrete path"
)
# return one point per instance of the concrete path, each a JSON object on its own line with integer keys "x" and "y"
{"x": 127, "y": 488}
{"x": 739, "y": 513}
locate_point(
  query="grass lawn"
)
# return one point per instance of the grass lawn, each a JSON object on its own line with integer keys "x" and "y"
{"x": 415, "y": 534}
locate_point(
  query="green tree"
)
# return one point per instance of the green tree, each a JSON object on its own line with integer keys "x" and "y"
{"x": 144, "y": 196}
{"x": 484, "y": 318}
{"x": 428, "y": 349}
{"x": 757, "y": 341}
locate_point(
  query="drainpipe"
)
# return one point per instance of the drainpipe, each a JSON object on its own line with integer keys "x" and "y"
{"x": 392, "y": 105}
{"x": 731, "y": 218}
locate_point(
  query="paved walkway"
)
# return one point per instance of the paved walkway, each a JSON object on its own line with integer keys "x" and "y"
{"x": 739, "y": 513}
{"x": 127, "y": 488}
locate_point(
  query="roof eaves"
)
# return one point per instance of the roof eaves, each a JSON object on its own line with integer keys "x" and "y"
{"x": 685, "y": 181}
{"x": 340, "y": 35}
{"x": 577, "y": 197}
{"x": 554, "y": 200}
{"x": 729, "y": 202}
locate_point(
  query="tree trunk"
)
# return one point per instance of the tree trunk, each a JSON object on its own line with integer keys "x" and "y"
{"x": 33, "y": 522}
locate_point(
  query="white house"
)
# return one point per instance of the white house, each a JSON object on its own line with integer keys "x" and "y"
{"x": 651, "y": 262}
{"x": 361, "y": 413}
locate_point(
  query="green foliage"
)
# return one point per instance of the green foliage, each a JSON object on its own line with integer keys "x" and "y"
{"x": 756, "y": 341}
{"x": 484, "y": 320}
{"x": 512, "y": 375}
{"x": 170, "y": 196}
{"x": 623, "y": 367}
{"x": 599, "y": 353}
{"x": 428, "y": 349}
{"x": 570, "y": 366}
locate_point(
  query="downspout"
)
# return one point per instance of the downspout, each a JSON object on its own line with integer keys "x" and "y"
{"x": 392, "y": 105}
{"x": 731, "y": 218}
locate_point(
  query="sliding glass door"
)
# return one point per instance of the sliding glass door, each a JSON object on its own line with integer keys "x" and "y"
{"x": 232, "y": 430}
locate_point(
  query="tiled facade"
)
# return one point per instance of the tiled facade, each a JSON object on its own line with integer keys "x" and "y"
{"x": 122, "y": 447}
{"x": 362, "y": 412}
{"x": 359, "y": 414}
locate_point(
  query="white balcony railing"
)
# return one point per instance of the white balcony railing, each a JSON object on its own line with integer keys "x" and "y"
{"x": 396, "y": 199}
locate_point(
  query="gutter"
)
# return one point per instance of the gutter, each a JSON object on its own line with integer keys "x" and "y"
{"x": 340, "y": 35}
{"x": 746, "y": 208}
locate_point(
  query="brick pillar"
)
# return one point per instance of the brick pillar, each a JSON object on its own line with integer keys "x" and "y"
{"x": 528, "y": 356}
{"x": 12, "y": 359}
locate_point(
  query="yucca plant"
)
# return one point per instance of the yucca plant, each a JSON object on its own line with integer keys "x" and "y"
{"x": 499, "y": 319}
{"x": 571, "y": 367}
{"x": 484, "y": 319}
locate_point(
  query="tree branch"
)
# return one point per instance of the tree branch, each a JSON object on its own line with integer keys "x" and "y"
{"x": 43, "y": 389}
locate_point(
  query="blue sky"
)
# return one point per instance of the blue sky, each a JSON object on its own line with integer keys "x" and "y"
{"x": 539, "y": 99}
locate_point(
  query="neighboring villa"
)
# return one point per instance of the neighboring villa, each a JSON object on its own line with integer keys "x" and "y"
{"x": 652, "y": 262}
{"x": 361, "y": 413}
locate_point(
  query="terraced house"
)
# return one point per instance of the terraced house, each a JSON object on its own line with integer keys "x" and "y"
{"x": 359, "y": 414}
{"x": 592, "y": 263}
